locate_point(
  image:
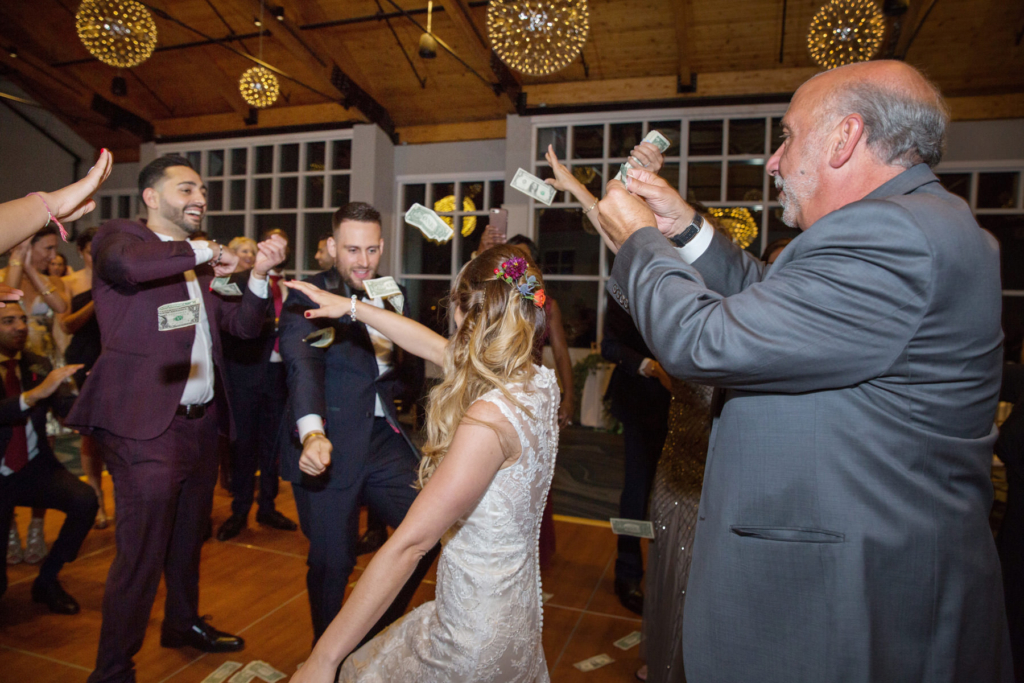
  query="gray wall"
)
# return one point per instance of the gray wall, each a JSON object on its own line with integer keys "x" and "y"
{"x": 985, "y": 140}
{"x": 478, "y": 156}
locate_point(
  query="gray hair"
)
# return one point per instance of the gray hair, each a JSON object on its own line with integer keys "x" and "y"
{"x": 903, "y": 128}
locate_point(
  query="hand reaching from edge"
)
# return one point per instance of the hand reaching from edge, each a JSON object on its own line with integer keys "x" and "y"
{"x": 564, "y": 180}
{"x": 49, "y": 385}
{"x": 74, "y": 201}
{"x": 10, "y": 294}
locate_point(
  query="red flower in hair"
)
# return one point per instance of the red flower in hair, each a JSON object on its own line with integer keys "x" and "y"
{"x": 539, "y": 297}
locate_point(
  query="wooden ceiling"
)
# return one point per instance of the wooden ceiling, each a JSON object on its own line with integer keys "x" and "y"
{"x": 637, "y": 51}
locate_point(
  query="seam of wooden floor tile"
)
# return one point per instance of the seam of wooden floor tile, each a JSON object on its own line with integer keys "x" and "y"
{"x": 268, "y": 550}
{"x": 596, "y": 614}
{"x": 49, "y": 659}
{"x": 240, "y": 631}
{"x": 80, "y": 557}
{"x": 603, "y": 523}
{"x": 583, "y": 612}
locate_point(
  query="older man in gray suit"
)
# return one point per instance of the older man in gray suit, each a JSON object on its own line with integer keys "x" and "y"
{"x": 843, "y": 532}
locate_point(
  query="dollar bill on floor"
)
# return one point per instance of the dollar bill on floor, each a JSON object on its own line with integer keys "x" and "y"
{"x": 246, "y": 675}
{"x": 632, "y": 527}
{"x": 658, "y": 140}
{"x": 626, "y": 642}
{"x": 531, "y": 185}
{"x": 265, "y": 671}
{"x": 544, "y": 597}
{"x": 222, "y": 672}
{"x": 429, "y": 223}
{"x": 222, "y": 286}
{"x": 595, "y": 662}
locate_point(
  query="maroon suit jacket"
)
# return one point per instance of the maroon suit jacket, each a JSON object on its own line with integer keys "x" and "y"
{"x": 136, "y": 385}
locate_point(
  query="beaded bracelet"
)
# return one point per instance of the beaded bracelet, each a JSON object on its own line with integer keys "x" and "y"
{"x": 352, "y": 310}
{"x": 216, "y": 261}
{"x": 50, "y": 217}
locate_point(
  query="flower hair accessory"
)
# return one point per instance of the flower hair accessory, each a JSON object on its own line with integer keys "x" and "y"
{"x": 511, "y": 271}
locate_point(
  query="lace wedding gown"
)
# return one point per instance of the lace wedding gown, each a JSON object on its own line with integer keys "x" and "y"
{"x": 485, "y": 623}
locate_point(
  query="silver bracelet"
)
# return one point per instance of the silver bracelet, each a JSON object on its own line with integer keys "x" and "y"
{"x": 586, "y": 211}
{"x": 352, "y": 311}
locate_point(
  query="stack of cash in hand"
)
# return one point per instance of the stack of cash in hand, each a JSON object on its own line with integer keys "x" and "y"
{"x": 531, "y": 185}
{"x": 429, "y": 223}
{"x": 656, "y": 139}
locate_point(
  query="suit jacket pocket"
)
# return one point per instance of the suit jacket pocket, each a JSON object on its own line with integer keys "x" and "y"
{"x": 788, "y": 534}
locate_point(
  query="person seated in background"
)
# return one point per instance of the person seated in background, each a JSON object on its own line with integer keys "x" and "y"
{"x": 30, "y": 473}
{"x": 257, "y": 391}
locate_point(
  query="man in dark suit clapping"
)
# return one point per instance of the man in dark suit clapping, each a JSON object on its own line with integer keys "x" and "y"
{"x": 341, "y": 406}
{"x": 30, "y": 474}
{"x": 155, "y": 403}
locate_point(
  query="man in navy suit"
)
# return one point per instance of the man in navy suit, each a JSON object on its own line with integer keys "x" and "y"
{"x": 30, "y": 474}
{"x": 341, "y": 404}
{"x": 155, "y": 403}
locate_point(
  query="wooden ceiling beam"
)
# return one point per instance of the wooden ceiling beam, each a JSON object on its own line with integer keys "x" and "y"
{"x": 482, "y": 54}
{"x": 310, "y": 49}
{"x": 272, "y": 117}
{"x": 683, "y": 18}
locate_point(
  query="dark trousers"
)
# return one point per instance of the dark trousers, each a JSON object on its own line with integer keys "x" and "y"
{"x": 163, "y": 490}
{"x": 45, "y": 483}
{"x": 257, "y": 412}
{"x": 644, "y": 437}
{"x": 330, "y": 520}
{"x": 1010, "y": 541}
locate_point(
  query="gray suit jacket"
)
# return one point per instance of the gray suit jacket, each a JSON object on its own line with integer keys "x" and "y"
{"x": 843, "y": 528}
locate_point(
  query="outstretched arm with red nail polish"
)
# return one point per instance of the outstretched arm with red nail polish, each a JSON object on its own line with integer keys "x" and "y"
{"x": 22, "y": 218}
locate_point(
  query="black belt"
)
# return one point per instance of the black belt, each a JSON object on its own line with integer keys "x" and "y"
{"x": 193, "y": 411}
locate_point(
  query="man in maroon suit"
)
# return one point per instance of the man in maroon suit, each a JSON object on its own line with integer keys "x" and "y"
{"x": 155, "y": 401}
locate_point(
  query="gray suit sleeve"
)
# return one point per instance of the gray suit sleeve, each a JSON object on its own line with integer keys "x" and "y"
{"x": 839, "y": 312}
{"x": 726, "y": 268}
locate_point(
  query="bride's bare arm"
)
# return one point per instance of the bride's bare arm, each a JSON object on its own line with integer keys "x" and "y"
{"x": 415, "y": 338}
{"x": 456, "y": 486}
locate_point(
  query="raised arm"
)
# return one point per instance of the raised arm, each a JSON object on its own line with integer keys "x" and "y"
{"x": 124, "y": 258}
{"x": 22, "y": 218}
{"x": 415, "y": 338}
{"x": 454, "y": 489}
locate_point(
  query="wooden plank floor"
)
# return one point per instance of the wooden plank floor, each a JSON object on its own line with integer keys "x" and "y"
{"x": 255, "y": 586}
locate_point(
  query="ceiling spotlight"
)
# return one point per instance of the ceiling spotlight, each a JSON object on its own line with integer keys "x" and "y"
{"x": 13, "y": 52}
{"x": 428, "y": 46}
{"x": 256, "y": 22}
{"x": 278, "y": 13}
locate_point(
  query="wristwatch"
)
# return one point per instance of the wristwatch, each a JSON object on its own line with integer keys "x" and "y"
{"x": 683, "y": 238}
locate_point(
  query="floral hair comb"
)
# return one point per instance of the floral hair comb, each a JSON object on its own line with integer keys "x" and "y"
{"x": 511, "y": 271}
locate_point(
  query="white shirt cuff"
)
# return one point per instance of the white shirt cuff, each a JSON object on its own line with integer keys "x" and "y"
{"x": 644, "y": 364}
{"x": 203, "y": 250}
{"x": 698, "y": 245}
{"x": 309, "y": 423}
{"x": 260, "y": 288}
{"x": 21, "y": 403}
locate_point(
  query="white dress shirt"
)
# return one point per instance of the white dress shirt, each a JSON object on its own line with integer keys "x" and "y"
{"x": 199, "y": 387}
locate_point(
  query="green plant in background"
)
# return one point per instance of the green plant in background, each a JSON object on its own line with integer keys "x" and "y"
{"x": 580, "y": 371}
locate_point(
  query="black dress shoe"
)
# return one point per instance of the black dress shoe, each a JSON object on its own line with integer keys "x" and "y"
{"x": 275, "y": 520}
{"x": 203, "y": 637}
{"x": 630, "y": 595}
{"x": 231, "y": 527}
{"x": 371, "y": 541}
{"x": 53, "y": 595}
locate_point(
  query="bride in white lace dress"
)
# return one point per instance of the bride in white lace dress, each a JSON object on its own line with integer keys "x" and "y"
{"x": 487, "y": 467}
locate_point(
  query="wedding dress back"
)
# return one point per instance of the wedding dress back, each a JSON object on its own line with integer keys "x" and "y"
{"x": 485, "y": 623}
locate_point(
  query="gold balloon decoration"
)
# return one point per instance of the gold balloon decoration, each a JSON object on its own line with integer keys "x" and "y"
{"x": 844, "y": 32}
{"x": 447, "y": 204}
{"x": 737, "y": 223}
{"x": 259, "y": 87}
{"x": 120, "y": 33}
{"x": 537, "y": 37}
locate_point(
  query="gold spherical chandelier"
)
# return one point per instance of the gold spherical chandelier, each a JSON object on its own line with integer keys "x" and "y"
{"x": 259, "y": 87}
{"x": 536, "y": 37}
{"x": 844, "y": 32}
{"x": 120, "y": 33}
{"x": 737, "y": 223}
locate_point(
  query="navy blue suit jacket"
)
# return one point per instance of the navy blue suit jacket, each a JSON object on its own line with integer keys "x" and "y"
{"x": 340, "y": 384}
